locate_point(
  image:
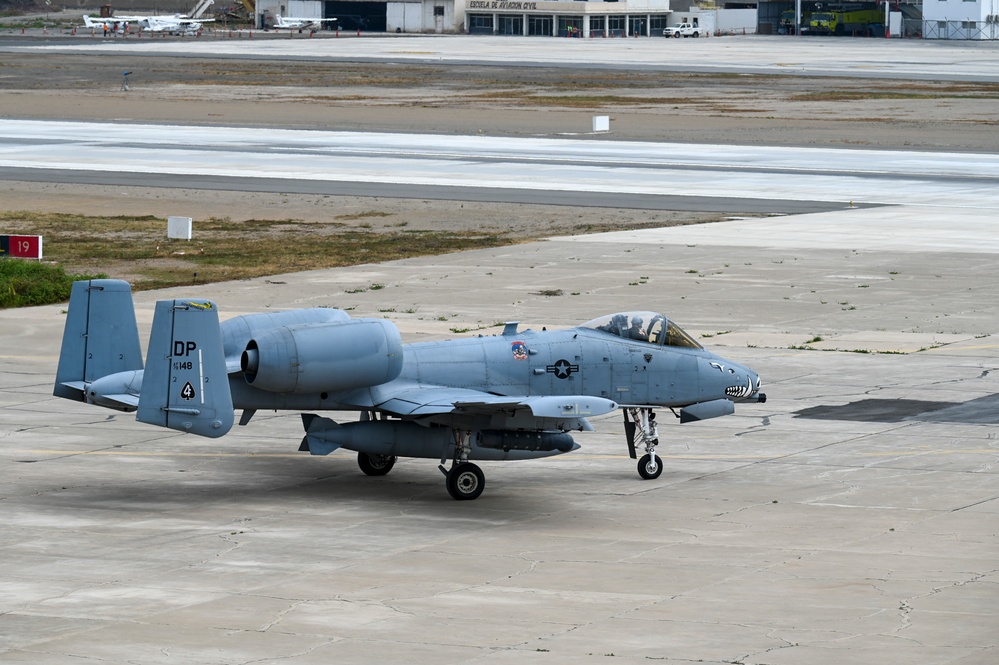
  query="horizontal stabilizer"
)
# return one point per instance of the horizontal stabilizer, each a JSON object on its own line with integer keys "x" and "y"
{"x": 130, "y": 402}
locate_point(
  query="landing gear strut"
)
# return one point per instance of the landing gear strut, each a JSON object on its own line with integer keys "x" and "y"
{"x": 641, "y": 430}
{"x": 464, "y": 480}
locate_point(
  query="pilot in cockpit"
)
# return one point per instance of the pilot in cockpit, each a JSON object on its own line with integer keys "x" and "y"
{"x": 636, "y": 331}
{"x": 618, "y": 325}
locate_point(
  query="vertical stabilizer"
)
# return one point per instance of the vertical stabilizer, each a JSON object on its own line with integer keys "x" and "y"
{"x": 185, "y": 386}
{"x": 100, "y": 338}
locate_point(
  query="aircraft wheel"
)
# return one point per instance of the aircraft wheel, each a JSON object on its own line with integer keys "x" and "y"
{"x": 375, "y": 465}
{"x": 465, "y": 482}
{"x": 650, "y": 467}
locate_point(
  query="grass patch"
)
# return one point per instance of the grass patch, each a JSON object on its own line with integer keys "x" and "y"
{"x": 863, "y": 95}
{"x": 136, "y": 248}
{"x": 590, "y": 101}
{"x": 28, "y": 283}
{"x": 363, "y": 215}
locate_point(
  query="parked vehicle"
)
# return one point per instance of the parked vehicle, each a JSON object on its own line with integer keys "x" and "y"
{"x": 682, "y": 30}
{"x": 844, "y": 22}
{"x": 787, "y": 26}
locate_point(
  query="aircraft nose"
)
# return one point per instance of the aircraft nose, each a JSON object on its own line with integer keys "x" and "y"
{"x": 739, "y": 382}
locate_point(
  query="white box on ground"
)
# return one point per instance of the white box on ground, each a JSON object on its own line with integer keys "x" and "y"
{"x": 601, "y": 123}
{"x": 179, "y": 228}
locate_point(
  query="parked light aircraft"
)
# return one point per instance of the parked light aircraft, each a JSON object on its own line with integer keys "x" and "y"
{"x": 511, "y": 396}
{"x": 176, "y": 24}
{"x": 289, "y": 23}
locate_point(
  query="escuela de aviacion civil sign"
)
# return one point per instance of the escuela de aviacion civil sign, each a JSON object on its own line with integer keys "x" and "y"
{"x": 21, "y": 247}
{"x": 504, "y": 4}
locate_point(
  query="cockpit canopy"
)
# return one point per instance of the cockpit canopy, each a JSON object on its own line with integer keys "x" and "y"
{"x": 644, "y": 327}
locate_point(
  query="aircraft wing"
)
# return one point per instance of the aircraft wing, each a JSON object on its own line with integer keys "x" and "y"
{"x": 423, "y": 400}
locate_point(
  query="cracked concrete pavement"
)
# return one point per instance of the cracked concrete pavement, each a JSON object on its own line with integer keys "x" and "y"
{"x": 850, "y": 519}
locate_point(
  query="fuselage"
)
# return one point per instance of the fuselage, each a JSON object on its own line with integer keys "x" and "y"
{"x": 575, "y": 361}
{"x": 579, "y": 361}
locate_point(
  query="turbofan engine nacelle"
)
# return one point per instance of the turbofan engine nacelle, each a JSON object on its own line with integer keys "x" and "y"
{"x": 323, "y": 357}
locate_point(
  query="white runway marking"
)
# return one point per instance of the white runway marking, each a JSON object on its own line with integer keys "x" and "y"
{"x": 792, "y": 174}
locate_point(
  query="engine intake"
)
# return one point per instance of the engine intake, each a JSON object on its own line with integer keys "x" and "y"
{"x": 323, "y": 357}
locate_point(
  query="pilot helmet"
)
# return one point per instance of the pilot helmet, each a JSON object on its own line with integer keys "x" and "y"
{"x": 636, "y": 321}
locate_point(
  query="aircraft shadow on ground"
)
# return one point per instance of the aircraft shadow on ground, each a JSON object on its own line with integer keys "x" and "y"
{"x": 983, "y": 410}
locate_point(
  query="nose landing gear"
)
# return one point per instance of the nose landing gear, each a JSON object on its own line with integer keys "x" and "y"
{"x": 641, "y": 430}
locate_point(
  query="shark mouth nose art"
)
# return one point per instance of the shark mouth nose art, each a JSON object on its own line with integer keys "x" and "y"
{"x": 740, "y": 391}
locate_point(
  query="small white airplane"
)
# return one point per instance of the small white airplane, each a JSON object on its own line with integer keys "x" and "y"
{"x": 176, "y": 24}
{"x": 289, "y": 23}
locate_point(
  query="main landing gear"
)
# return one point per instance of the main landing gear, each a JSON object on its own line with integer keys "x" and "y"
{"x": 464, "y": 480}
{"x": 641, "y": 430}
{"x": 375, "y": 465}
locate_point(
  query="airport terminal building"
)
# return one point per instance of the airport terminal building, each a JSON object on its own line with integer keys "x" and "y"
{"x": 547, "y": 18}
{"x": 941, "y": 19}
{"x": 567, "y": 19}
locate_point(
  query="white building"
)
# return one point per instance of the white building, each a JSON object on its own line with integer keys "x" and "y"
{"x": 961, "y": 19}
{"x": 503, "y": 17}
{"x": 566, "y": 19}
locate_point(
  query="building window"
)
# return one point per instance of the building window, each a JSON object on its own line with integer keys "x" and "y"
{"x": 479, "y": 24}
{"x": 616, "y": 26}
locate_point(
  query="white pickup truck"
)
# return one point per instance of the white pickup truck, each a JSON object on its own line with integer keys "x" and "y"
{"x": 682, "y": 30}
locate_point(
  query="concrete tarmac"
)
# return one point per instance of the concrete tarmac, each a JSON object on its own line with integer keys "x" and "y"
{"x": 852, "y": 518}
{"x": 939, "y": 60}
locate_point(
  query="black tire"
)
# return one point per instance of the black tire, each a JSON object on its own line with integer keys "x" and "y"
{"x": 465, "y": 482}
{"x": 650, "y": 467}
{"x": 677, "y": 35}
{"x": 375, "y": 465}
{"x": 696, "y": 35}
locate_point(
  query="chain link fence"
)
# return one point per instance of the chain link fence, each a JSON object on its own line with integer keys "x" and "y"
{"x": 972, "y": 30}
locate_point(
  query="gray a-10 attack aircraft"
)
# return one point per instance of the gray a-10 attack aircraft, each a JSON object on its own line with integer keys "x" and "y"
{"x": 504, "y": 397}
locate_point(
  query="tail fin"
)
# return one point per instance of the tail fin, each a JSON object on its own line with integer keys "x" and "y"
{"x": 100, "y": 337}
{"x": 185, "y": 386}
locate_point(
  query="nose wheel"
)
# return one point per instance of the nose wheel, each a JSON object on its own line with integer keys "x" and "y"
{"x": 641, "y": 430}
{"x": 650, "y": 467}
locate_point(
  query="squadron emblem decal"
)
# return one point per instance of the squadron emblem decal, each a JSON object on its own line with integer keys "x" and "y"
{"x": 519, "y": 350}
{"x": 562, "y": 369}
{"x": 187, "y": 392}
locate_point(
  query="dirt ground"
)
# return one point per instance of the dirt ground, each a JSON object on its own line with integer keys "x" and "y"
{"x": 522, "y": 101}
